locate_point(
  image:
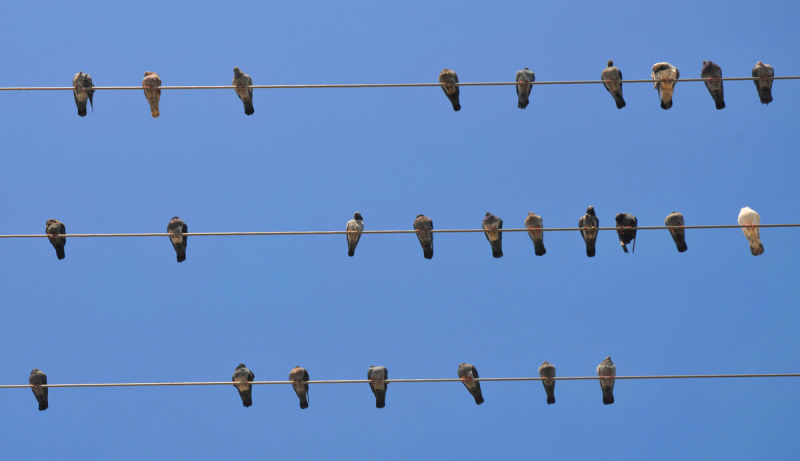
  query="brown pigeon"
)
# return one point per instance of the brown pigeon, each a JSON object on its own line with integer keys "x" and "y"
{"x": 242, "y": 82}
{"x": 424, "y": 227}
{"x": 467, "y": 372}
{"x": 299, "y": 378}
{"x": 665, "y": 76}
{"x": 763, "y": 73}
{"x": 534, "y": 225}
{"x": 36, "y": 379}
{"x": 612, "y": 77}
{"x": 606, "y": 371}
{"x": 151, "y": 83}
{"x": 449, "y": 82}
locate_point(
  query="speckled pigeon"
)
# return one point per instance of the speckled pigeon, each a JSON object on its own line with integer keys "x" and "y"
{"x": 176, "y": 228}
{"x": 491, "y": 225}
{"x": 589, "y": 224}
{"x": 626, "y": 221}
{"x": 82, "y": 90}
{"x": 449, "y": 80}
{"x": 377, "y": 377}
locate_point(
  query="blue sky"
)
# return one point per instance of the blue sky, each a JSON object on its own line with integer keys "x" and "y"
{"x": 123, "y": 310}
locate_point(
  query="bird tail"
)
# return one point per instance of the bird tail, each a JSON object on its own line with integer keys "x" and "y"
{"x": 427, "y": 251}
{"x": 247, "y": 398}
{"x": 351, "y": 249}
{"x": 497, "y": 248}
{"x": 154, "y": 112}
{"x": 82, "y": 109}
{"x": 478, "y": 397}
{"x": 551, "y": 397}
{"x": 756, "y": 247}
{"x": 590, "y": 248}
{"x": 454, "y": 100}
{"x": 619, "y": 100}
{"x": 181, "y": 253}
{"x": 43, "y": 404}
{"x": 765, "y": 94}
{"x": 608, "y": 397}
{"x": 248, "y": 107}
{"x": 719, "y": 101}
{"x": 522, "y": 102}
{"x": 60, "y": 252}
{"x": 380, "y": 399}
{"x": 666, "y": 104}
{"x": 538, "y": 247}
{"x": 303, "y": 402}
{"x": 681, "y": 244}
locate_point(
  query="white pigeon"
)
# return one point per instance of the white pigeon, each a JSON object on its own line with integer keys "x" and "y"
{"x": 750, "y": 218}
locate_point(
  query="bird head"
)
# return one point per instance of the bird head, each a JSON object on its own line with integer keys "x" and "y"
{"x": 241, "y": 365}
{"x": 590, "y": 210}
{"x": 357, "y": 216}
{"x": 610, "y": 63}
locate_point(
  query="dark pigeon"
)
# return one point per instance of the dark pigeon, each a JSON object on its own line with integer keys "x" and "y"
{"x": 152, "y": 91}
{"x": 176, "y": 228}
{"x": 675, "y": 221}
{"x": 82, "y": 89}
{"x": 54, "y": 228}
{"x": 242, "y": 377}
{"x": 626, "y": 221}
{"x": 299, "y": 378}
{"x": 524, "y": 78}
{"x": 763, "y": 73}
{"x": 534, "y": 225}
{"x": 467, "y": 372}
{"x": 491, "y": 225}
{"x": 612, "y": 77}
{"x": 449, "y": 82}
{"x": 377, "y": 377}
{"x": 665, "y": 76}
{"x": 424, "y": 227}
{"x": 36, "y": 379}
{"x": 354, "y": 228}
{"x": 548, "y": 371}
{"x": 589, "y": 224}
{"x": 242, "y": 82}
{"x": 712, "y": 73}
{"x": 606, "y": 371}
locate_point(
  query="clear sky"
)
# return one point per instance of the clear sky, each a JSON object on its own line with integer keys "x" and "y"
{"x": 119, "y": 310}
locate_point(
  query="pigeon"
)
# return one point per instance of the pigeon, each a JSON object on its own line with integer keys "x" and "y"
{"x": 176, "y": 228}
{"x": 54, "y": 228}
{"x": 242, "y": 82}
{"x": 377, "y": 377}
{"x": 424, "y": 227}
{"x": 80, "y": 83}
{"x": 749, "y": 217}
{"x": 624, "y": 222}
{"x": 36, "y": 379}
{"x": 524, "y": 78}
{"x": 665, "y": 75}
{"x": 764, "y": 72}
{"x": 466, "y": 372}
{"x": 491, "y": 225}
{"x": 606, "y": 371}
{"x": 534, "y": 225}
{"x": 586, "y": 223}
{"x": 152, "y": 92}
{"x": 612, "y": 77}
{"x": 712, "y": 74}
{"x": 548, "y": 371}
{"x": 354, "y": 229}
{"x": 449, "y": 81}
{"x": 675, "y": 221}
{"x": 242, "y": 377}
{"x": 299, "y": 378}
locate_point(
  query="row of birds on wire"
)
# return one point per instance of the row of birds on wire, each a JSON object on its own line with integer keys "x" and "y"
{"x": 664, "y": 76}
{"x": 626, "y": 226}
{"x": 377, "y": 377}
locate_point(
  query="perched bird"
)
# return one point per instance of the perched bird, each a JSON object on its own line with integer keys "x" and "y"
{"x": 548, "y": 371}
{"x": 82, "y": 89}
{"x": 299, "y": 378}
{"x": 354, "y": 229}
{"x": 152, "y": 92}
{"x": 491, "y": 225}
{"x": 524, "y": 78}
{"x": 750, "y": 218}
{"x": 712, "y": 73}
{"x": 625, "y": 221}
{"x": 54, "y": 228}
{"x": 242, "y": 377}
{"x": 606, "y": 371}
{"x": 424, "y": 227}
{"x": 675, "y": 221}
{"x": 242, "y": 82}
{"x": 612, "y": 78}
{"x": 36, "y": 379}
{"x": 449, "y": 81}
{"x": 467, "y": 372}
{"x": 377, "y": 377}
{"x": 534, "y": 225}
{"x": 665, "y": 76}
{"x": 589, "y": 224}
{"x": 176, "y": 228}
{"x": 764, "y": 72}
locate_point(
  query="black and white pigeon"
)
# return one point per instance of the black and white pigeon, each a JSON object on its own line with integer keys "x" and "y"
{"x": 242, "y": 378}
{"x": 534, "y": 224}
{"x": 82, "y": 90}
{"x": 55, "y": 229}
{"x": 176, "y": 228}
{"x": 354, "y": 228}
{"x": 612, "y": 80}
{"x": 36, "y": 379}
{"x": 749, "y": 218}
{"x": 299, "y": 378}
{"x": 626, "y": 230}
{"x": 665, "y": 76}
{"x": 377, "y": 377}
{"x": 424, "y": 227}
{"x": 763, "y": 73}
{"x": 242, "y": 82}
{"x": 712, "y": 74}
{"x": 524, "y": 79}
{"x": 449, "y": 81}
{"x": 675, "y": 222}
{"x": 467, "y": 372}
{"x": 491, "y": 225}
{"x": 606, "y": 371}
{"x": 547, "y": 371}
{"x": 589, "y": 224}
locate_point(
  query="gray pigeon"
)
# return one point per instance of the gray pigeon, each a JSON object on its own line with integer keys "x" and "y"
{"x": 354, "y": 229}
{"x": 665, "y": 76}
{"x": 152, "y": 91}
{"x": 712, "y": 73}
{"x": 491, "y": 225}
{"x": 299, "y": 378}
{"x": 449, "y": 82}
{"x": 626, "y": 221}
{"x": 82, "y": 89}
{"x": 763, "y": 73}
{"x": 606, "y": 371}
{"x": 377, "y": 377}
{"x": 589, "y": 224}
{"x": 36, "y": 379}
{"x": 54, "y": 228}
{"x": 467, "y": 372}
{"x": 424, "y": 227}
{"x": 612, "y": 77}
{"x": 176, "y": 228}
{"x": 534, "y": 225}
{"x": 675, "y": 221}
{"x": 548, "y": 371}
{"x": 242, "y": 82}
{"x": 242, "y": 377}
{"x": 524, "y": 78}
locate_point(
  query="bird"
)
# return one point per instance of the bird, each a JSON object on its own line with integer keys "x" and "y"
{"x": 626, "y": 221}
{"x": 712, "y": 74}
{"x": 491, "y": 225}
{"x": 152, "y": 92}
{"x": 242, "y": 82}
{"x": 548, "y": 371}
{"x": 354, "y": 229}
{"x": 377, "y": 377}
{"x": 749, "y": 218}
{"x": 675, "y": 221}
{"x": 665, "y": 76}
{"x": 467, "y": 372}
{"x": 299, "y": 378}
{"x": 242, "y": 377}
{"x": 424, "y": 227}
{"x": 449, "y": 81}
{"x": 82, "y": 89}
{"x": 764, "y": 73}
{"x": 36, "y": 379}
{"x": 524, "y": 78}
{"x": 533, "y": 222}
{"x": 612, "y": 80}
{"x": 589, "y": 224}
{"x": 54, "y": 228}
{"x": 606, "y": 371}
{"x": 176, "y": 228}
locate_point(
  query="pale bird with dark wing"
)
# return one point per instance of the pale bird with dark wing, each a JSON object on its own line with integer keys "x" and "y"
{"x": 665, "y": 76}
{"x": 377, "y": 377}
{"x": 242, "y": 377}
{"x": 354, "y": 228}
{"x": 588, "y": 224}
{"x": 764, "y": 74}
